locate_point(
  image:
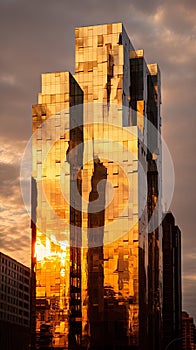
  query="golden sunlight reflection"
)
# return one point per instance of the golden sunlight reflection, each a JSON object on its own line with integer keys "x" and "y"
{"x": 50, "y": 248}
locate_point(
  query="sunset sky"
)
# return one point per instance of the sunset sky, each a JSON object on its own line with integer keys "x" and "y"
{"x": 38, "y": 37}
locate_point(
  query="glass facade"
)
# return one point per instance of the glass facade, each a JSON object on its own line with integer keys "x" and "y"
{"x": 154, "y": 180}
{"x": 96, "y": 265}
{"x": 172, "y": 284}
{"x": 56, "y": 263}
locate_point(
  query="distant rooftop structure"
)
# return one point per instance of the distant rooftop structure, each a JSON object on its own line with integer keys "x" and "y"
{"x": 188, "y": 332}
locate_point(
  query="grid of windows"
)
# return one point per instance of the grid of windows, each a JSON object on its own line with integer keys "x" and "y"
{"x": 58, "y": 280}
{"x": 83, "y": 295}
{"x": 14, "y": 291}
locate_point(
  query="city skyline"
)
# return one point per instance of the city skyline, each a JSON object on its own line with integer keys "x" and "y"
{"x": 9, "y": 160}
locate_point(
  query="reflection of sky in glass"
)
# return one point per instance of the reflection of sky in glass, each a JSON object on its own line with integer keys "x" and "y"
{"x": 117, "y": 138}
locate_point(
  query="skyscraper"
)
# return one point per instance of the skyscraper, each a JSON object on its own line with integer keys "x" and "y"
{"x": 55, "y": 262}
{"x": 96, "y": 176}
{"x": 172, "y": 286}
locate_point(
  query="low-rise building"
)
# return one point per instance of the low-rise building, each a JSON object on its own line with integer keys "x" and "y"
{"x": 14, "y": 304}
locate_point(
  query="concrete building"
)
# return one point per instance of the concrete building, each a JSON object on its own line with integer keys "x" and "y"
{"x": 14, "y": 304}
{"x": 188, "y": 332}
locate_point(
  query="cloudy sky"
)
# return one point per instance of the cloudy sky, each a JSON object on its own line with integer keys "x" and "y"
{"x": 37, "y": 37}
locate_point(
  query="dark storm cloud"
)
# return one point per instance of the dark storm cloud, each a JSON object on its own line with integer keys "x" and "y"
{"x": 38, "y": 36}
